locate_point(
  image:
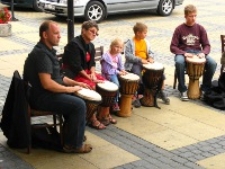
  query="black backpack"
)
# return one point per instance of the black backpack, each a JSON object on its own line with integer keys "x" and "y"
{"x": 46, "y": 137}
{"x": 15, "y": 121}
{"x": 221, "y": 81}
{"x": 216, "y": 96}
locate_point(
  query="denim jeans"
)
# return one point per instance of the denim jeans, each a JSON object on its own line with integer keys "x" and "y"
{"x": 73, "y": 110}
{"x": 137, "y": 69}
{"x": 113, "y": 78}
{"x": 210, "y": 68}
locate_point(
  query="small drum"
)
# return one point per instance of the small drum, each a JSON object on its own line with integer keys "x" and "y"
{"x": 128, "y": 83}
{"x": 92, "y": 100}
{"x": 152, "y": 80}
{"x": 195, "y": 69}
{"x": 128, "y": 87}
{"x": 108, "y": 91}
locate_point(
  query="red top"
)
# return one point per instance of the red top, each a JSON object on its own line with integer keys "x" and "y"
{"x": 190, "y": 38}
{"x": 88, "y": 57}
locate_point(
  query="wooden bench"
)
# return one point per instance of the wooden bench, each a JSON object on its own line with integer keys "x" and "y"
{"x": 99, "y": 51}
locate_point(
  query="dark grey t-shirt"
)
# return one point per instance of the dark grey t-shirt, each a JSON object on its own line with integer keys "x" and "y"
{"x": 41, "y": 60}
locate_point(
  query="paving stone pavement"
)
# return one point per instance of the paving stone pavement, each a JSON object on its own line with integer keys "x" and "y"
{"x": 152, "y": 156}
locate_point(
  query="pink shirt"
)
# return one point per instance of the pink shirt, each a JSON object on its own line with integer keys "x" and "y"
{"x": 114, "y": 61}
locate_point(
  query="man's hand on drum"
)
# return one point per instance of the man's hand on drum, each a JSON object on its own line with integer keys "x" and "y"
{"x": 201, "y": 55}
{"x": 73, "y": 89}
{"x": 188, "y": 55}
{"x": 150, "y": 60}
{"x": 84, "y": 85}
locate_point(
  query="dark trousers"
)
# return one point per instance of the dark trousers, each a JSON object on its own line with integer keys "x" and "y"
{"x": 73, "y": 110}
{"x": 137, "y": 69}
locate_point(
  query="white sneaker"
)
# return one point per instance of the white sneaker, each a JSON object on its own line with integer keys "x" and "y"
{"x": 184, "y": 96}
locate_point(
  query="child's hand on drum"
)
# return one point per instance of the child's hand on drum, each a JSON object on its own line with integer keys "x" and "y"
{"x": 143, "y": 61}
{"x": 123, "y": 72}
{"x": 150, "y": 60}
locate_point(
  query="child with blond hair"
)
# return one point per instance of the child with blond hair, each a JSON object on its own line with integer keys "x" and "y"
{"x": 112, "y": 66}
{"x": 137, "y": 53}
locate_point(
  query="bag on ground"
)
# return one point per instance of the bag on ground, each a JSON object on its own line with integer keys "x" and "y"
{"x": 46, "y": 137}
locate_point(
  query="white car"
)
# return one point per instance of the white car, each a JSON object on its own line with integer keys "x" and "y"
{"x": 99, "y": 9}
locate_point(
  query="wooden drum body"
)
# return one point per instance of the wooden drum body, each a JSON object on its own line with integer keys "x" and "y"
{"x": 108, "y": 91}
{"x": 92, "y": 100}
{"x": 195, "y": 69}
{"x": 152, "y": 80}
{"x": 128, "y": 87}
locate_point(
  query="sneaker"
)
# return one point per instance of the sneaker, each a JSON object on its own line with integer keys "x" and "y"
{"x": 136, "y": 103}
{"x": 115, "y": 107}
{"x": 165, "y": 99}
{"x": 202, "y": 96}
{"x": 184, "y": 96}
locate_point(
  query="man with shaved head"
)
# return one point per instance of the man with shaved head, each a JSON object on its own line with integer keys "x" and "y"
{"x": 51, "y": 91}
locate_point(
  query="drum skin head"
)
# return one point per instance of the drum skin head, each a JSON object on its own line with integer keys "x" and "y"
{"x": 195, "y": 59}
{"x": 130, "y": 76}
{"x": 153, "y": 66}
{"x": 88, "y": 94}
{"x": 107, "y": 85}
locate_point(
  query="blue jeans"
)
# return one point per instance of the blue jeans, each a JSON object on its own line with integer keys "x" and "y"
{"x": 210, "y": 68}
{"x": 113, "y": 78}
{"x": 137, "y": 69}
{"x": 73, "y": 110}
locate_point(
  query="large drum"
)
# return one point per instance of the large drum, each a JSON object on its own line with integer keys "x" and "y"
{"x": 108, "y": 91}
{"x": 128, "y": 87}
{"x": 152, "y": 80}
{"x": 92, "y": 100}
{"x": 195, "y": 69}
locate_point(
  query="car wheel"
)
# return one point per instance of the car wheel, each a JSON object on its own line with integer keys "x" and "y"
{"x": 165, "y": 7}
{"x": 95, "y": 11}
{"x": 36, "y": 7}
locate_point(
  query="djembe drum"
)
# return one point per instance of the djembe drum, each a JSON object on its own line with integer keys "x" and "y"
{"x": 128, "y": 87}
{"x": 195, "y": 68}
{"x": 92, "y": 100}
{"x": 108, "y": 91}
{"x": 152, "y": 80}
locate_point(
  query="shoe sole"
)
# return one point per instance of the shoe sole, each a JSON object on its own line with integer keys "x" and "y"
{"x": 116, "y": 110}
{"x": 184, "y": 99}
{"x": 167, "y": 103}
{"x": 79, "y": 151}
